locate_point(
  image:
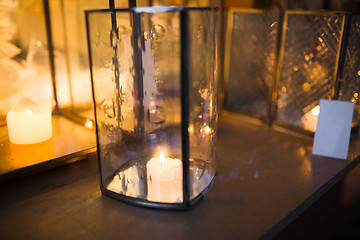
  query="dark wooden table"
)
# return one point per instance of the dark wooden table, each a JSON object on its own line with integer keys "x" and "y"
{"x": 265, "y": 180}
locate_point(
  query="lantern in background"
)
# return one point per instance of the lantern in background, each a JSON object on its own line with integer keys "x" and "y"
{"x": 308, "y": 65}
{"x": 288, "y": 62}
{"x": 44, "y": 73}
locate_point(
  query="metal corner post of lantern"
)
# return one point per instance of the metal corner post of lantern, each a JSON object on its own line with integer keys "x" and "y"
{"x": 154, "y": 80}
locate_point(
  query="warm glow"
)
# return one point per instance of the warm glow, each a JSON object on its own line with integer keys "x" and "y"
{"x": 28, "y": 111}
{"x": 89, "y": 124}
{"x": 29, "y": 122}
{"x": 191, "y": 129}
{"x": 306, "y": 87}
{"x": 316, "y": 110}
{"x": 207, "y": 129}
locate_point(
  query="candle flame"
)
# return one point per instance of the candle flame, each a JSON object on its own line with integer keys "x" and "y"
{"x": 191, "y": 129}
{"x": 28, "y": 111}
{"x": 88, "y": 124}
{"x": 207, "y": 129}
{"x": 161, "y": 158}
{"x": 316, "y": 110}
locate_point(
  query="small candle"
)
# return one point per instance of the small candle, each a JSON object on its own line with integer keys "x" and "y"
{"x": 29, "y": 122}
{"x": 309, "y": 119}
{"x": 164, "y": 179}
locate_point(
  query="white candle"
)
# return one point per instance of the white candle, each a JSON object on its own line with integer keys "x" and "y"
{"x": 164, "y": 179}
{"x": 29, "y": 122}
{"x": 309, "y": 119}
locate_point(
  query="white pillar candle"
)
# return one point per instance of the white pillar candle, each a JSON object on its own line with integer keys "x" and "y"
{"x": 164, "y": 179}
{"x": 29, "y": 122}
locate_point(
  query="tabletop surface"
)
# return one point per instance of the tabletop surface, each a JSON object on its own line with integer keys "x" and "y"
{"x": 264, "y": 180}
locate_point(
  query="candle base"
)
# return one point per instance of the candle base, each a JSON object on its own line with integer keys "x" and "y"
{"x": 164, "y": 191}
{"x": 168, "y": 192}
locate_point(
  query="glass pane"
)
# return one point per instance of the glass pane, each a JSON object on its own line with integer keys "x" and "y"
{"x": 162, "y": 105}
{"x": 350, "y": 76}
{"x": 203, "y": 93}
{"x": 71, "y": 55}
{"x": 310, "y": 55}
{"x": 251, "y": 51}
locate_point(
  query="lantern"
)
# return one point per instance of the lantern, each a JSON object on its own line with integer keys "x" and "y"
{"x": 44, "y": 85}
{"x": 279, "y": 65}
{"x": 154, "y": 76}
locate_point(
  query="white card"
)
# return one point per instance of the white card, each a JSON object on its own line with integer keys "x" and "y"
{"x": 332, "y": 135}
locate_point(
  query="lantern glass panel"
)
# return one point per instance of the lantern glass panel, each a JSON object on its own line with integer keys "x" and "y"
{"x": 73, "y": 83}
{"x": 203, "y": 94}
{"x": 251, "y": 55}
{"x": 309, "y": 64}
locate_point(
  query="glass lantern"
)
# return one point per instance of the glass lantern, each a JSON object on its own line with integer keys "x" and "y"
{"x": 308, "y": 67}
{"x": 44, "y": 71}
{"x": 154, "y": 75}
{"x": 278, "y": 66}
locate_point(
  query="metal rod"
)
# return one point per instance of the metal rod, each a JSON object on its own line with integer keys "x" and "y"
{"x": 339, "y": 69}
{"x": 115, "y": 60}
{"x": 281, "y": 33}
{"x": 138, "y": 43}
{"x": 185, "y": 104}
{"x": 66, "y": 51}
{"x": 51, "y": 53}
{"x": 132, "y": 3}
{"x": 111, "y": 4}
